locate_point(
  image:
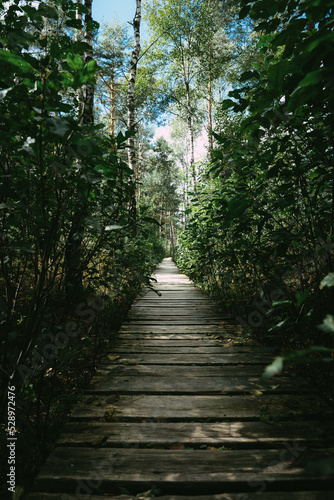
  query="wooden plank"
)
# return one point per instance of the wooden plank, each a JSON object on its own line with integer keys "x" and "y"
{"x": 160, "y": 315}
{"x": 195, "y": 385}
{"x": 199, "y": 407}
{"x": 171, "y": 303}
{"x": 170, "y": 292}
{"x": 171, "y": 322}
{"x": 156, "y": 341}
{"x": 301, "y": 495}
{"x": 209, "y": 336}
{"x": 190, "y": 349}
{"x": 107, "y": 368}
{"x": 230, "y": 434}
{"x": 194, "y": 359}
{"x": 203, "y": 305}
{"x": 200, "y": 470}
{"x": 169, "y": 296}
{"x": 184, "y": 302}
{"x": 204, "y": 342}
{"x": 135, "y": 328}
{"x": 176, "y": 286}
{"x": 207, "y": 311}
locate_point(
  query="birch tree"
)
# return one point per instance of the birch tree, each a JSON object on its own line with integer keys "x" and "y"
{"x": 131, "y": 121}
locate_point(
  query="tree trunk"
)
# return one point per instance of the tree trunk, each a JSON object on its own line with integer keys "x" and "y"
{"x": 191, "y": 133}
{"x": 131, "y": 122}
{"x": 210, "y": 119}
{"x": 88, "y": 104}
{"x": 210, "y": 126}
{"x": 78, "y": 17}
{"x": 112, "y": 111}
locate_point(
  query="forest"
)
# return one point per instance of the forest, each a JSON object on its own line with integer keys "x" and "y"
{"x": 240, "y": 193}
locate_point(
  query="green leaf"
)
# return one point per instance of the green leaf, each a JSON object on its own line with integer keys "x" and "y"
{"x": 312, "y": 78}
{"x": 237, "y": 207}
{"x": 152, "y": 220}
{"x": 58, "y": 126}
{"x": 327, "y": 324}
{"x": 4, "y": 92}
{"x": 74, "y": 23}
{"x": 113, "y": 227}
{"x": 15, "y": 60}
{"x": 275, "y": 368}
{"x": 302, "y": 297}
{"x": 91, "y": 66}
{"x": 75, "y": 62}
{"x": 244, "y": 12}
{"x": 327, "y": 281}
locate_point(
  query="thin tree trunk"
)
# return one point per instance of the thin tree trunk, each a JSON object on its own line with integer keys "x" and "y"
{"x": 210, "y": 125}
{"x": 78, "y": 16}
{"x": 112, "y": 111}
{"x": 131, "y": 122}
{"x": 88, "y": 105}
{"x": 191, "y": 133}
{"x": 210, "y": 118}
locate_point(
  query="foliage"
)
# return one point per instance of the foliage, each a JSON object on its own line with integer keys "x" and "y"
{"x": 159, "y": 198}
{"x": 260, "y": 233}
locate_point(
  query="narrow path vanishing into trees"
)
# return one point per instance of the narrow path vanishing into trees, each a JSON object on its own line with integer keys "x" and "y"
{"x": 177, "y": 408}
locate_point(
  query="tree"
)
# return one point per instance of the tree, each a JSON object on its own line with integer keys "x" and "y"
{"x": 113, "y": 54}
{"x": 88, "y": 97}
{"x": 191, "y": 42}
{"x": 131, "y": 121}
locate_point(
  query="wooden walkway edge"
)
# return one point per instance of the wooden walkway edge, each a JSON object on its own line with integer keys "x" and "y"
{"x": 177, "y": 411}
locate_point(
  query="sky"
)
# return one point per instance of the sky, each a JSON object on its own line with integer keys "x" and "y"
{"x": 124, "y": 10}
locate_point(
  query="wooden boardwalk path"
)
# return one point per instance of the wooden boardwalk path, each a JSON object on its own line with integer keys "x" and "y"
{"x": 177, "y": 408}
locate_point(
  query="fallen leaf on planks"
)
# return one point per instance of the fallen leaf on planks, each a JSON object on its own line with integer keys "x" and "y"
{"x": 112, "y": 358}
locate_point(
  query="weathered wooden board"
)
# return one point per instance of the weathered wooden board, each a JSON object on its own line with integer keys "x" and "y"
{"x": 194, "y": 385}
{"x": 166, "y": 370}
{"x": 190, "y": 296}
{"x": 152, "y": 322}
{"x": 198, "y": 407}
{"x": 142, "y": 340}
{"x": 185, "y": 316}
{"x": 206, "y": 337}
{"x": 203, "y": 305}
{"x": 175, "y": 469}
{"x": 176, "y": 286}
{"x": 171, "y": 303}
{"x": 230, "y": 434}
{"x": 190, "y": 349}
{"x": 164, "y": 302}
{"x": 192, "y": 346}
{"x": 194, "y": 359}
{"x": 135, "y": 328}
{"x": 176, "y": 312}
{"x": 293, "y": 495}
